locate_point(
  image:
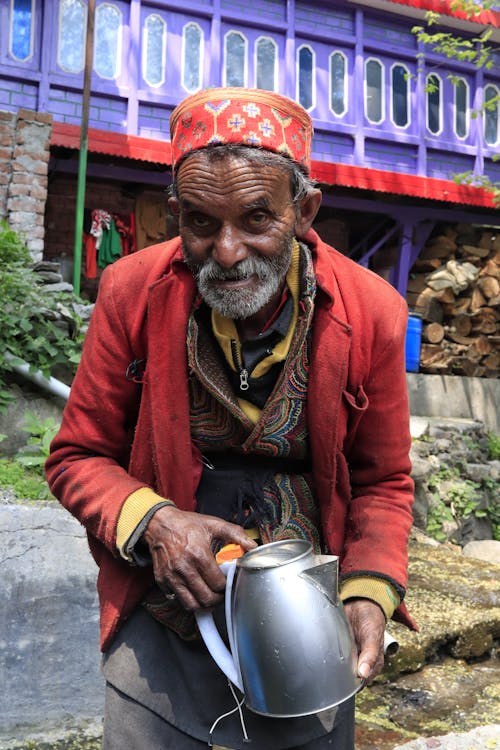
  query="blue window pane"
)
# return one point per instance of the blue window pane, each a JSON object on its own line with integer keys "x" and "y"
{"x": 154, "y": 54}
{"x": 400, "y": 96}
{"x": 107, "y": 41}
{"x": 433, "y": 104}
{"x": 337, "y": 83}
{"x": 461, "y": 108}
{"x": 373, "y": 102}
{"x": 266, "y": 64}
{"x": 21, "y": 29}
{"x": 491, "y": 115}
{"x": 235, "y": 59}
{"x": 72, "y": 31}
{"x": 306, "y": 77}
{"x": 192, "y": 57}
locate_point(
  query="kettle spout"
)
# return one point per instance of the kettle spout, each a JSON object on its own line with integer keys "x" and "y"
{"x": 324, "y": 576}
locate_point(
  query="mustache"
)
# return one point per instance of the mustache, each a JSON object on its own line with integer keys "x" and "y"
{"x": 260, "y": 267}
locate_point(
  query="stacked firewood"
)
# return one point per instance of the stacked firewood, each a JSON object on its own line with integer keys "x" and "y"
{"x": 455, "y": 287}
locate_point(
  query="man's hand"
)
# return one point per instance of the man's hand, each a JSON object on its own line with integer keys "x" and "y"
{"x": 180, "y": 543}
{"x": 368, "y": 624}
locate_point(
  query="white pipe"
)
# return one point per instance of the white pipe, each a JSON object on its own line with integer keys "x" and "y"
{"x": 56, "y": 387}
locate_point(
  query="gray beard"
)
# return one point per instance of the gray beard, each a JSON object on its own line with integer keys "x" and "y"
{"x": 239, "y": 304}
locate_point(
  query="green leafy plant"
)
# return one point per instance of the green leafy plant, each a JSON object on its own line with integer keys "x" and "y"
{"x": 36, "y": 451}
{"x": 27, "y": 330}
{"x": 26, "y": 484}
{"x": 493, "y": 446}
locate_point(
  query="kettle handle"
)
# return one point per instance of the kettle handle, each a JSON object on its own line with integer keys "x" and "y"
{"x": 226, "y": 660}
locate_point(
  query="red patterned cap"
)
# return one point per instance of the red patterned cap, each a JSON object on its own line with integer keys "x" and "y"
{"x": 251, "y": 117}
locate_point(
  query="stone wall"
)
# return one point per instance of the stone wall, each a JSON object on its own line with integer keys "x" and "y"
{"x": 24, "y": 159}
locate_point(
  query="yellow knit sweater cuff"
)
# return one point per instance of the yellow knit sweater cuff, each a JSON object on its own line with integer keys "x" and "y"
{"x": 376, "y": 589}
{"x": 135, "y": 507}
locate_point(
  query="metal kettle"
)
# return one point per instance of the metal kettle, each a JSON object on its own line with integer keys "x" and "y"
{"x": 291, "y": 648}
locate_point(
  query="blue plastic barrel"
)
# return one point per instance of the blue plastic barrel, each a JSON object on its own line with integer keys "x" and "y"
{"x": 413, "y": 341}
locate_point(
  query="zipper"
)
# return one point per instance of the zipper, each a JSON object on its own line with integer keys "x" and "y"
{"x": 242, "y": 371}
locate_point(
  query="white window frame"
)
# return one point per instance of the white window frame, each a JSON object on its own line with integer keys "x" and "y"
{"x": 32, "y": 34}
{"x": 297, "y": 75}
{"x": 265, "y": 38}
{"x": 346, "y": 87}
{"x": 497, "y": 89}
{"x": 119, "y": 46}
{"x": 382, "y": 92}
{"x": 245, "y": 58}
{"x": 183, "y": 56}
{"x": 145, "y": 50}
{"x": 440, "y": 110}
{"x": 408, "y": 96}
{"x": 467, "y": 109}
{"x": 59, "y": 35}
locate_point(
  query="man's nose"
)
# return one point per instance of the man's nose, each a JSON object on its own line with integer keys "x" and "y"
{"x": 228, "y": 247}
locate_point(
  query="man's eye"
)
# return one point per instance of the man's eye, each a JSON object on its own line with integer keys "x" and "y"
{"x": 198, "y": 221}
{"x": 257, "y": 219}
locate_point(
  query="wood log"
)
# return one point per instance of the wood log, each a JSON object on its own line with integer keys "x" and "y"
{"x": 458, "y": 338}
{"x": 423, "y": 265}
{"x": 446, "y": 295}
{"x": 489, "y": 286}
{"x": 490, "y": 268}
{"x": 482, "y": 345}
{"x": 417, "y": 283}
{"x": 461, "y": 324}
{"x": 433, "y": 333}
{"x": 484, "y": 321}
{"x": 492, "y": 361}
{"x": 464, "y": 366}
{"x": 477, "y": 252}
{"x": 477, "y": 300}
{"x": 428, "y": 307}
{"x": 438, "y": 247}
{"x": 458, "y": 307}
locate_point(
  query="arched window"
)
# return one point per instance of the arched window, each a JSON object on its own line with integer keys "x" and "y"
{"x": 192, "y": 57}
{"x": 71, "y": 35}
{"x": 491, "y": 115}
{"x": 400, "y": 96}
{"x": 305, "y": 77}
{"x": 154, "y": 45}
{"x": 338, "y": 83}
{"x": 235, "y": 55}
{"x": 434, "y": 104}
{"x": 107, "y": 41}
{"x": 374, "y": 90}
{"x": 461, "y": 123}
{"x": 266, "y": 57}
{"x": 21, "y": 29}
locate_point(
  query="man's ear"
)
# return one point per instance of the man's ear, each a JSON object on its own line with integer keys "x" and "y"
{"x": 306, "y": 212}
{"x": 173, "y": 204}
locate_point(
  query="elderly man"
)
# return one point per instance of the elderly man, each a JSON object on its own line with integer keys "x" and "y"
{"x": 242, "y": 383}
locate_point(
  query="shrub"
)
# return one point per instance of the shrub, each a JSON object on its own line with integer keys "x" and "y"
{"x": 27, "y": 314}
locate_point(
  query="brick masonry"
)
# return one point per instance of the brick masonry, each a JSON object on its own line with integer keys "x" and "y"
{"x": 24, "y": 159}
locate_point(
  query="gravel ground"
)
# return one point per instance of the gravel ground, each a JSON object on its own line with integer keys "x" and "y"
{"x": 482, "y": 738}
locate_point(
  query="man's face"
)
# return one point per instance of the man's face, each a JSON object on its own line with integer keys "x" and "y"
{"x": 237, "y": 223}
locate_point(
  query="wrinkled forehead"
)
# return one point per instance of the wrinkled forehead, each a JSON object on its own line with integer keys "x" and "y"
{"x": 236, "y": 176}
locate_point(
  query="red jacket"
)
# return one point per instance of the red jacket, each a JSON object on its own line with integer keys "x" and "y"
{"x": 357, "y": 414}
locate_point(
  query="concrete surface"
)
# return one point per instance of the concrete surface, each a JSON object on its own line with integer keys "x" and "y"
{"x": 456, "y": 397}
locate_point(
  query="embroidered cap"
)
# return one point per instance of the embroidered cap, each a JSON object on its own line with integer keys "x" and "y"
{"x": 251, "y": 117}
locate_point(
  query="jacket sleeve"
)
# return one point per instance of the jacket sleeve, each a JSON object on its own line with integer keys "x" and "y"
{"x": 87, "y": 466}
{"x": 377, "y": 453}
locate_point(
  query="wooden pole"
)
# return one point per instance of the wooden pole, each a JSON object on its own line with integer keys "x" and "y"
{"x": 82, "y": 158}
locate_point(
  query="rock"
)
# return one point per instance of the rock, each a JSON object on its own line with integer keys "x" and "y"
{"x": 487, "y": 550}
{"x": 482, "y": 738}
{"x": 62, "y": 286}
{"x": 12, "y": 419}
{"x": 49, "y": 646}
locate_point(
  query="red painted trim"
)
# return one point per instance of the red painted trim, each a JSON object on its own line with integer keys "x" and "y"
{"x": 114, "y": 144}
{"x": 400, "y": 184}
{"x": 158, "y": 152}
{"x": 486, "y": 17}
